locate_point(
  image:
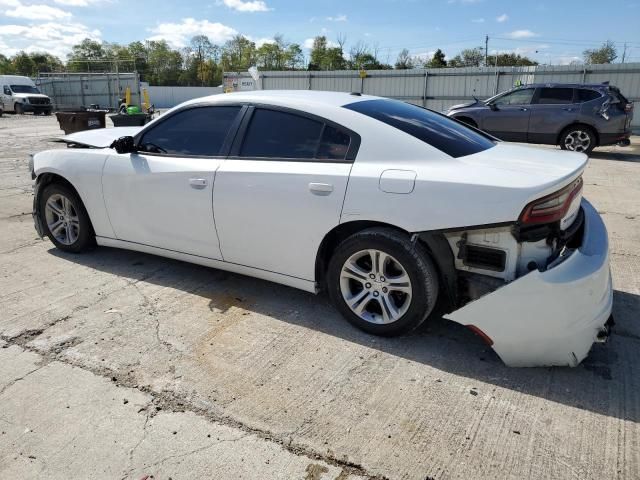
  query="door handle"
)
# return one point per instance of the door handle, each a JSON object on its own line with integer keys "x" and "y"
{"x": 568, "y": 109}
{"x": 198, "y": 183}
{"x": 321, "y": 188}
{"x": 524, "y": 109}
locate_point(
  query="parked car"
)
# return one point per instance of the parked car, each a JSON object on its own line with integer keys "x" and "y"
{"x": 20, "y": 95}
{"x": 400, "y": 213}
{"x": 578, "y": 117}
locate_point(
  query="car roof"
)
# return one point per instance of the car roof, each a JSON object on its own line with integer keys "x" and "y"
{"x": 599, "y": 86}
{"x": 284, "y": 97}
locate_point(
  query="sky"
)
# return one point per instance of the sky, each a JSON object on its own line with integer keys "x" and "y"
{"x": 551, "y": 32}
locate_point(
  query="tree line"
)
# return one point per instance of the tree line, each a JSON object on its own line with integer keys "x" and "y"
{"x": 202, "y": 63}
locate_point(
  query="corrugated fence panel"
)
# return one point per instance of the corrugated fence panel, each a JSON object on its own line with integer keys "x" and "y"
{"x": 167, "y": 97}
{"x": 73, "y": 91}
{"x": 445, "y": 87}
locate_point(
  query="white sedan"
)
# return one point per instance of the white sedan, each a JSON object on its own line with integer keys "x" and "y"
{"x": 398, "y": 212}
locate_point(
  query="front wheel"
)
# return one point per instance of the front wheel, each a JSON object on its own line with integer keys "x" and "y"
{"x": 19, "y": 109}
{"x": 65, "y": 219}
{"x": 578, "y": 139}
{"x": 381, "y": 282}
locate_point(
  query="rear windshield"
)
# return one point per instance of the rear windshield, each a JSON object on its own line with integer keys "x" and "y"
{"x": 439, "y": 131}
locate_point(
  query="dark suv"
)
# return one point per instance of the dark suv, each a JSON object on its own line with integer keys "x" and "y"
{"x": 577, "y": 117}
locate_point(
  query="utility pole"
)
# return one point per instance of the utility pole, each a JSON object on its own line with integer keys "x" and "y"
{"x": 624, "y": 52}
{"x": 486, "y": 50}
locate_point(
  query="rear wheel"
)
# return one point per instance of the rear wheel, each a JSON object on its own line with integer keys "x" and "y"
{"x": 65, "y": 219}
{"x": 578, "y": 139}
{"x": 381, "y": 282}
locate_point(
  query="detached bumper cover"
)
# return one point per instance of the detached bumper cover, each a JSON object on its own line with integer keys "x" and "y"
{"x": 551, "y": 317}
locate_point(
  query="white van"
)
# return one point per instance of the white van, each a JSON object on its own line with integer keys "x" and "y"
{"x": 20, "y": 95}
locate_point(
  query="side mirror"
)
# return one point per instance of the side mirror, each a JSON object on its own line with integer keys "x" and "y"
{"x": 124, "y": 145}
{"x": 493, "y": 107}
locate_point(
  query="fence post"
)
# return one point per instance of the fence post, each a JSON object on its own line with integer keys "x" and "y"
{"x": 109, "y": 90}
{"x": 424, "y": 93}
{"x": 82, "y": 91}
{"x": 495, "y": 89}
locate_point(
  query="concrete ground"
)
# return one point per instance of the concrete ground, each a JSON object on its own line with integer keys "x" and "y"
{"x": 115, "y": 364}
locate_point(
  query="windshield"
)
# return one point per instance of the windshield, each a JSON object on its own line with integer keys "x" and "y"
{"x": 24, "y": 89}
{"x": 439, "y": 131}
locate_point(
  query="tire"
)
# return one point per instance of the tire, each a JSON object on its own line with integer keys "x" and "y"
{"x": 47, "y": 113}
{"x": 578, "y": 138}
{"x": 382, "y": 306}
{"x": 18, "y": 109}
{"x": 78, "y": 235}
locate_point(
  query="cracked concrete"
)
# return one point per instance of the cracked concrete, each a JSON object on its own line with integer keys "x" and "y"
{"x": 262, "y": 381}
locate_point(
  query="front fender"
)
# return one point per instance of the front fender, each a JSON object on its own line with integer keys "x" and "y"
{"x": 82, "y": 169}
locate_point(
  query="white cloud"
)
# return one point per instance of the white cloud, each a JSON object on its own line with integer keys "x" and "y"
{"x": 259, "y": 41}
{"x": 178, "y": 34}
{"x": 54, "y": 38}
{"x": 36, "y": 12}
{"x": 521, "y": 34}
{"x": 478, "y": 20}
{"x": 424, "y": 56}
{"x": 308, "y": 43}
{"x": 502, "y": 18}
{"x": 78, "y": 3}
{"x": 247, "y": 6}
{"x": 337, "y": 18}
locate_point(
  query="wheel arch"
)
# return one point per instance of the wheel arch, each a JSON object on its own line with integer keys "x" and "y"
{"x": 47, "y": 178}
{"x": 434, "y": 242}
{"x": 579, "y": 124}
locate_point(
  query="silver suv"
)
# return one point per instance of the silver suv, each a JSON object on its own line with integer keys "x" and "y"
{"x": 578, "y": 117}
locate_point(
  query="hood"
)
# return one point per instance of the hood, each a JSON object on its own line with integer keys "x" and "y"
{"x": 535, "y": 169}
{"x": 465, "y": 105}
{"x": 25, "y": 95}
{"x": 100, "y": 137}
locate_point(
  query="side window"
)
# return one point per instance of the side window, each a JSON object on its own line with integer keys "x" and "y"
{"x": 519, "y": 97}
{"x": 585, "y": 95}
{"x": 277, "y": 134}
{"x": 555, "y": 96}
{"x": 198, "y": 131}
{"x": 334, "y": 144}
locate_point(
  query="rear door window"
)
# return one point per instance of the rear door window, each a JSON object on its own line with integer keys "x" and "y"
{"x": 334, "y": 144}
{"x": 278, "y": 134}
{"x": 198, "y": 131}
{"x": 555, "y": 96}
{"x": 586, "y": 95}
{"x": 439, "y": 131}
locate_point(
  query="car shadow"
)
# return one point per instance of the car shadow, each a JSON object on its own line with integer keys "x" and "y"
{"x": 606, "y": 382}
{"x": 626, "y": 155}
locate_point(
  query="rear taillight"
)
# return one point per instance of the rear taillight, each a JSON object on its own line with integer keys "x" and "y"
{"x": 552, "y": 207}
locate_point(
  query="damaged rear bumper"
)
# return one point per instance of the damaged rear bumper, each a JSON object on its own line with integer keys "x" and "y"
{"x": 551, "y": 317}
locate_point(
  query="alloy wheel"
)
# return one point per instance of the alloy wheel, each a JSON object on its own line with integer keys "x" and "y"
{"x": 62, "y": 219}
{"x": 577, "y": 141}
{"x": 375, "y": 286}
